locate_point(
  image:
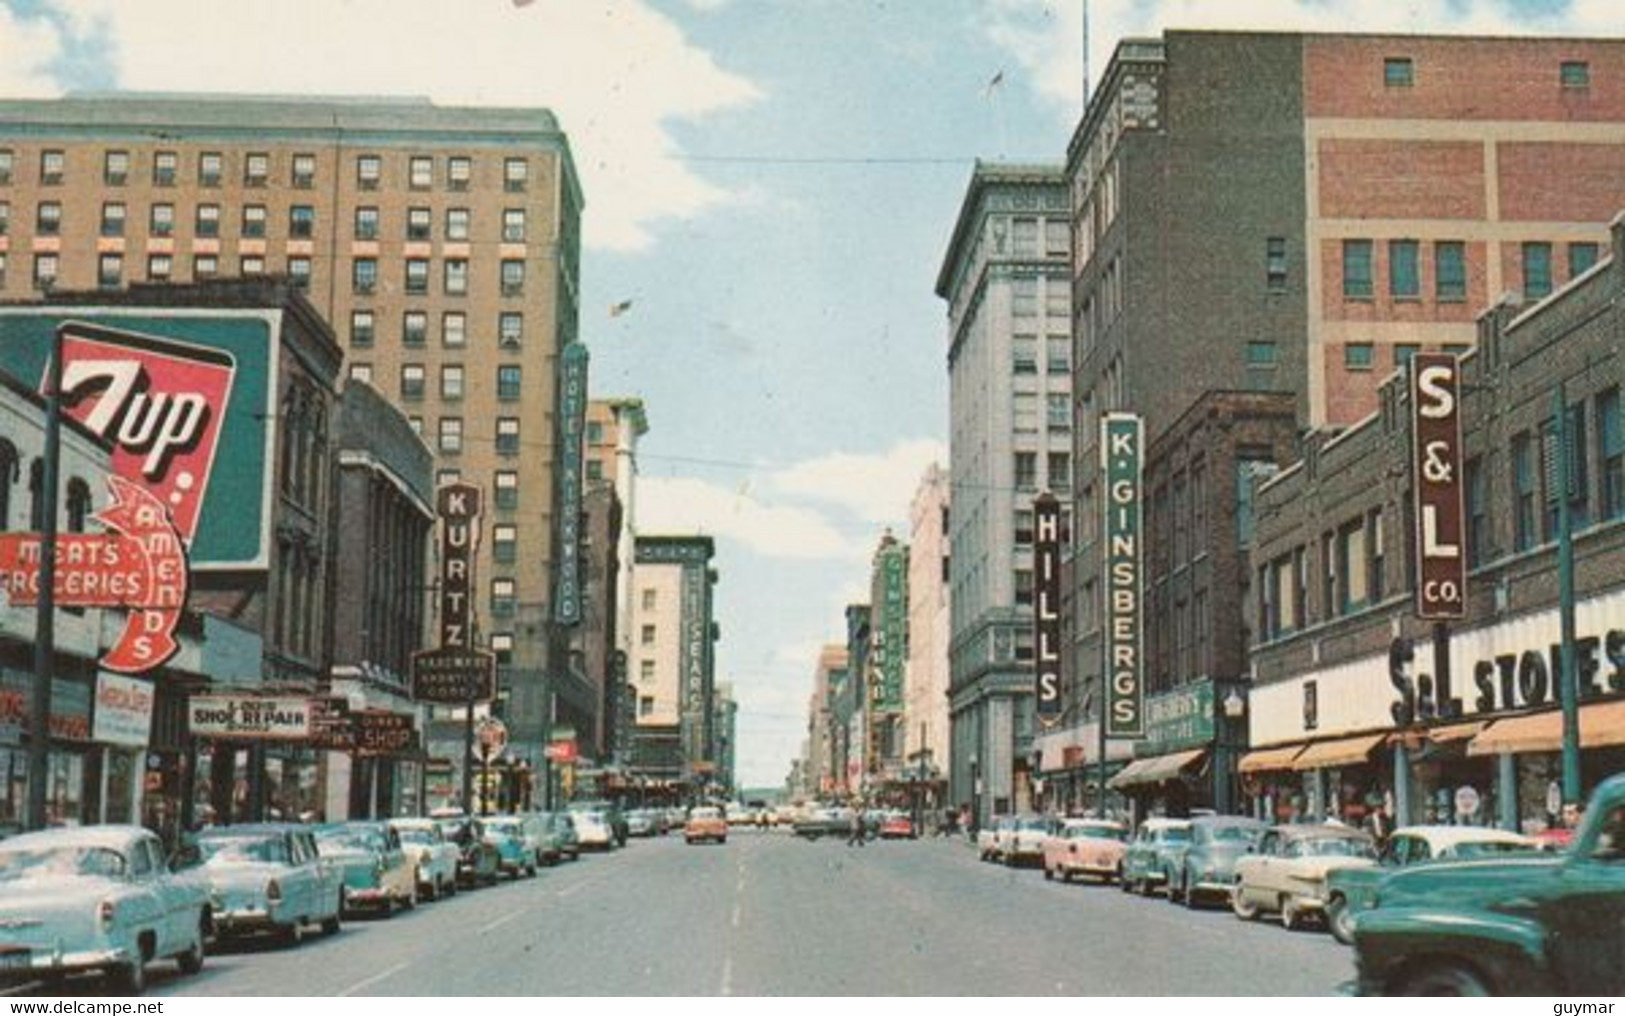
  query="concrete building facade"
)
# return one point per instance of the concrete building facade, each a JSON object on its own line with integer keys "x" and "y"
{"x": 925, "y": 712}
{"x": 672, "y": 666}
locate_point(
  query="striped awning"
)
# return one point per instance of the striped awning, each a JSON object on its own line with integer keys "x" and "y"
{"x": 1602, "y": 724}
{"x": 1269, "y": 759}
{"x": 1347, "y": 751}
{"x": 1157, "y": 769}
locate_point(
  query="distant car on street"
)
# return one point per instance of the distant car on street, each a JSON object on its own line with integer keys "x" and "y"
{"x": 990, "y": 836}
{"x": 1287, "y": 871}
{"x": 518, "y": 839}
{"x": 1023, "y": 843}
{"x": 1151, "y": 853}
{"x": 706, "y": 823}
{"x": 435, "y": 856}
{"x": 894, "y": 825}
{"x": 1085, "y": 847}
{"x": 1205, "y": 868}
{"x": 477, "y": 860}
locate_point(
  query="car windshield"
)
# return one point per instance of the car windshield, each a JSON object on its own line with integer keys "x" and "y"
{"x": 48, "y": 862}
{"x": 1490, "y": 849}
{"x": 1335, "y": 846}
{"x": 1176, "y": 834}
{"x": 417, "y": 836}
{"x": 1091, "y": 832}
{"x": 705, "y": 813}
{"x": 506, "y": 826}
{"x": 1232, "y": 834}
{"x": 1029, "y": 824}
{"x": 353, "y": 839}
{"x": 238, "y": 849}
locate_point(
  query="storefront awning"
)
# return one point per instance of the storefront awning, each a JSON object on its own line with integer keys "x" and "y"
{"x": 1602, "y": 724}
{"x": 1347, "y": 751}
{"x": 1455, "y": 732}
{"x": 1267, "y": 759}
{"x": 1158, "y": 769}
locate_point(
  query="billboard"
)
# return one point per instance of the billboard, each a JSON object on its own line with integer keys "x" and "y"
{"x": 187, "y": 398}
{"x": 1437, "y": 489}
{"x": 1122, "y": 440}
{"x": 1047, "y": 608}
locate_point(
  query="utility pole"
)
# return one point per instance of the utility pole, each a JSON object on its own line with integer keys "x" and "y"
{"x": 1568, "y": 676}
{"x": 39, "y": 717}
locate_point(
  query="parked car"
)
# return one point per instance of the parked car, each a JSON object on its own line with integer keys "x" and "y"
{"x": 518, "y": 840}
{"x": 705, "y": 823}
{"x": 1150, "y": 856}
{"x": 1205, "y": 867}
{"x": 96, "y": 898}
{"x": 1351, "y": 890}
{"x": 377, "y": 873}
{"x": 436, "y": 857}
{"x": 267, "y": 878}
{"x": 989, "y": 836}
{"x": 477, "y": 860}
{"x": 817, "y": 822}
{"x": 1024, "y": 842}
{"x": 1287, "y": 871}
{"x": 562, "y": 835}
{"x": 894, "y": 825}
{"x": 644, "y": 824}
{"x": 1522, "y": 924}
{"x": 1085, "y": 847}
{"x": 593, "y": 831}
{"x": 609, "y": 813}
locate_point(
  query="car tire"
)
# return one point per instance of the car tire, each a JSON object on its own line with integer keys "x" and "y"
{"x": 1173, "y": 890}
{"x": 331, "y": 926}
{"x": 129, "y": 978}
{"x": 1242, "y": 908}
{"x": 412, "y": 897}
{"x": 1453, "y": 979}
{"x": 1188, "y": 897}
{"x": 292, "y": 935}
{"x": 1340, "y": 920}
{"x": 1049, "y": 874}
{"x": 191, "y": 961}
{"x": 1291, "y": 914}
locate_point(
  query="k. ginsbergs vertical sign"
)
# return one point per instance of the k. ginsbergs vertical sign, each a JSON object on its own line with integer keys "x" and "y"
{"x": 572, "y": 424}
{"x": 1047, "y": 607}
{"x": 1441, "y": 574}
{"x": 1121, "y": 451}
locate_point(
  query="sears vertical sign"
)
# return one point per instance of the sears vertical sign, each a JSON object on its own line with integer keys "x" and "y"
{"x": 1122, "y": 438}
{"x": 1047, "y": 607}
{"x": 1441, "y": 573}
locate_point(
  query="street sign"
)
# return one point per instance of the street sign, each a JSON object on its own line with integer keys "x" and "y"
{"x": 490, "y": 739}
{"x": 1047, "y": 608}
{"x": 452, "y": 676}
{"x": 561, "y": 751}
{"x": 1436, "y": 483}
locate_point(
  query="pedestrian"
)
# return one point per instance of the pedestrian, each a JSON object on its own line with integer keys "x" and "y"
{"x": 858, "y": 834}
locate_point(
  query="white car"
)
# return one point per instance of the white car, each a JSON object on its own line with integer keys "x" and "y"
{"x": 1287, "y": 871}
{"x": 425, "y": 842}
{"x": 592, "y": 830}
{"x": 992, "y": 836}
{"x": 96, "y": 898}
{"x": 1023, "y": 843}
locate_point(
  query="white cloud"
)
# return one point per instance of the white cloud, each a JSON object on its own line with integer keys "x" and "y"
{"x": 28, "y": 46}
{"x": 686, "y": 505}
{"x": 618, "y": 74}
{"x": 875, "y": 488}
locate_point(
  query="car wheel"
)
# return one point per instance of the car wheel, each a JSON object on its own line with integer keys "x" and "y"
{"x": 1049, "y": 874}
{"x": 1123, "y": 882}
{"x": 1291, "y": 914}
{"x": 1244, "y": 908}
{"x": 129, "y": 978}
{"x": 191, "y": 961}
{"x": 293, "y": 934}
{"x": 332, "y": 925}
{"x": 1188, "y": 895}
{"x": 1170, "y": 888}
{"x": 412, "y": 897}
{"x": 1340, "y": 919}
{"x": 1452, "y": 979}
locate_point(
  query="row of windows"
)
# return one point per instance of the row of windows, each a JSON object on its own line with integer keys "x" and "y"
{"x": 110, "y": 269}
{"x": 454, "y": 276}
{"x": 1024, "y": 299}
{"x": 1400, "y": 72}
{"x": 1024, "y": 406}
{"x": 76, "y": 498}
{"x": 1350, "y": 566}
{"x": 449, "y": 438}
{"x": 504, "y": 483}
{"x": 419, "y": 224}
{"x": 1024, "y": 354}
{"x": 210, "y": 170}
{"x": 1449, "y": 268}
{"x": 413, "y": 380}
{"x": 1059, "y": 476}
{"x": 415, "y": 329}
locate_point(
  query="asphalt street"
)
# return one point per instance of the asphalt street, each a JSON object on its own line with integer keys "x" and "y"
{"x": 767, "y": 914}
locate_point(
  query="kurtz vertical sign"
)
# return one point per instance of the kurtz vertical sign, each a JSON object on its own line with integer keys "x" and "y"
{"x": 1121, "y": 448}
{"x": 459, "y": 508}
{"x": 1441, "y": 573}
{"x": 572, "y": 424}
{"x": 1047, "y": 607}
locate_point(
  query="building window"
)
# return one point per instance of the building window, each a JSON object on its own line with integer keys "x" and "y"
{"x": 515, "y": 174}
{"x": 165, "y": 165}
{"x": 51, "y": 167}
{"x": 1026, "y": 470}
{"x": 456, "y": 276}
{"x": 253, "y": 220}
{"x": 1058, "y": 411}
{"x": 368, "y": 170}
{"x": 205, "y": 266}
{"x": 459, "y": 171}
{"x": 646, "y": 705}
{"x": 45, "y": 272}
{"x": 420, "y": 172}
{"x": 1574, "y": 74}
{"x": 1582, "y": 256}
{"x": 502, "y": 648}
{"x": 1359, "y": 356}
{"x": 1523, "y": 492}
{"x": 510, "y": 329}
{"x": 48, "y": 218}
{"x": 1260, "y": 355}
{"x": 1611, "y": 454}
{"x": 1450, "y": 271}
{"x": 1057, "y": 238}
{"x": 303, "y": 175}
{"x": 1357, "y": 269}
{"x": 161, "y": 220}
{"x": 505, "y": 542}
{"x": 1024, "y": 354}
{"x": 210, "y": 169}
{"x": 508, "y": 382}
{"x": 445, "y": 476}
{"x": 364, "y": 275}
{"x": 362, "y": 329}
{"x": 1024, "y": 527}
{"x": 113, "y": 216}
{"x": 646, "y": 635}
{"x": 8, "y": 162}
{"x": 116, "y": 169}
{"x": 648, "y": 598}
{"x": 416, "y": 423}
{"x": 595, "y": 470}
{"x": 1404, "y": 272}
{"x": 1024, "y": 298}
{"x": 453, "y": 329}
{"x": 513, "y": 277}
{"x": 1059, "y": 360}
{"x": 159, "y": 267}
{"x": 1579, "y": 485}
{"x": 507, "y": 488}
{"x": 1060, "y": 471}
{"x": 451, "y": 382}
{"x": 1022, "y": 579}
{"x": 414, "y": 329}
{"x": 1403, "y": 353}
{"x": 78, "y": 505}
{"x": 1537, "y": 270}
{"x": 513, "y": 225}
{"x": 419, "y": 223}
{"x": 1476, "y": 495}
{"x": 299, "y": 271}
{"x": 451, "y": 440}
{"x": 361, "y": 372}
{"x": 301, "y": 222}
{"x": 1024, "y": 237}
{"x": 3, "y": 265}
{"x": 457, "y": 224}
{"x": 251, "y": 264}
{"x": 646, "y": 671}
{"x": 110, "y": 271}
{"x": 1275, "y": 264}
{"x": 417, "y": 275}
{"x": 5, "y": 217}
{"x": 502, "y": 597}
{"x": 366, "y": 223}
{"x": 507, "y": 435}
{"x": 1398, "y": 72}
{"x": 256, "y": 169}
{"x": 1057, "y": 301}
{"x": 208, "y": 220}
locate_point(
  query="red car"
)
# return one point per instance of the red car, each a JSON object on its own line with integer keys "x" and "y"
{"x": 896, "y": 826}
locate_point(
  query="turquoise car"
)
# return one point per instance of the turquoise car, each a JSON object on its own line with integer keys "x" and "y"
{"x": 518, "y": 841}
{"x": 268, "y": 878}
{"x": 378, "y": 874}
{"x": 1152, "y": 854}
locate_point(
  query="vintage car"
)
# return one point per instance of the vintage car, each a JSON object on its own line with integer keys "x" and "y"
{"x": 816, "y": 822}
{"x": 607, "y": 812}
{"x": 1150, "y": 855}
{"x": 561, "y": 842}
{"x": 378, "y": 874}
{"x": 1287, "y": 871}
{"x": 705, "y": 823}
{"x": 1024, "y": 843}
{"x": 477, "y": 860}
{"x": 593, "y": 829}
{"x": 1524, "y": 924}
{"x": 894, "y": 825}
{"x": 643, "y": 823}
{"x": 435, "y": 856}
{"x": 1350, "y": 890}
{"x": 518, "y": 839}
{"x": 989, "y": 836}
{"x": 96, "y": 898}
{"x": 1085, "y": 847}
{"x": 1206, "y": 867}
{"x": 267, "y": 878}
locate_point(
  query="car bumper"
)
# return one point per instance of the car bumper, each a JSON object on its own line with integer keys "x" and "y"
{"x": 363, "y": 899}
{"x": 1210, "y": 886}
{"x": 244, "y": 922}
{"x": 40, "y": 962}
{"x": 1088, "y": 868}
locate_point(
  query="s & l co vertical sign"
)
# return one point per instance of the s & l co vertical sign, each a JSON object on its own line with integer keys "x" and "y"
{"x": 1441, "y": 574}
{"x": 1047, "y": 607}
{"x": 1122, "y": 437}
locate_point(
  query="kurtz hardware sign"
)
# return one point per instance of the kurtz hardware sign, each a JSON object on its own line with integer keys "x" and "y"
{"x": 456, "y": 673}
{"x": 138, "y": 564}
{"x": 572, "y": 424}
{"x": 1047, "y": 608}
{"x": 1441, "y": 574}
{"x": 891, "y": 633}
{"x": 1121, "y": 437}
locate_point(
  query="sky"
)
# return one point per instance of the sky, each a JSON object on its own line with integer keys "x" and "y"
{"x": 772, "y": 184}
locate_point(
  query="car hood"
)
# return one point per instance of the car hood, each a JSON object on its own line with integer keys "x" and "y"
{"x": 29, "y": 897}
{"x": 1470, "y": 883}
{"x": 1322, "y": 867}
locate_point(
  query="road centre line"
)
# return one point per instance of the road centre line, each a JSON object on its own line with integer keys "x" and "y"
{"x": 367, "y": 982}
{"x": 499, "y": 922}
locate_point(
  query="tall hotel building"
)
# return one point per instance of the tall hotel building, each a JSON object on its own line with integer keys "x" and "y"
{"x": 443, "y": 244}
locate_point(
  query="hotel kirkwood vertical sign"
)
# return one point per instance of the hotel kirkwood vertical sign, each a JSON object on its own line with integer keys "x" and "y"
{"x": 1047, "y": 608}
{"x": 1441, "y": 573}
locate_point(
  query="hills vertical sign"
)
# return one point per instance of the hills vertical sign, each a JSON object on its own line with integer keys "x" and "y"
{"x": 1047, "y": 608}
